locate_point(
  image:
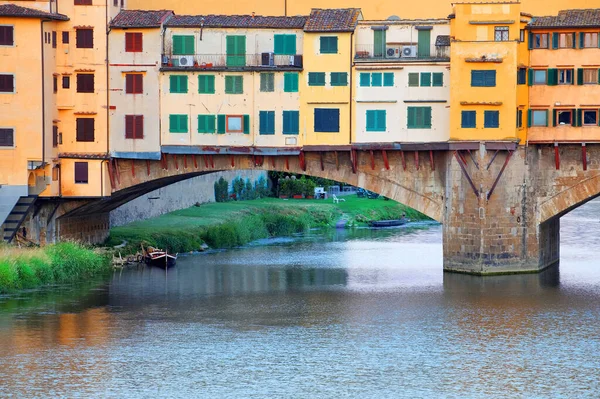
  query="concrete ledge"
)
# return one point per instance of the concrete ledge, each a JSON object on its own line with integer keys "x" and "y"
{"x": 481, "y": 269}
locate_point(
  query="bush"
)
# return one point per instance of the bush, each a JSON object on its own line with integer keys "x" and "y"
{"x": 221, "y": 190}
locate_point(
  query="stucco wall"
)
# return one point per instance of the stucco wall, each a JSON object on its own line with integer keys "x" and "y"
{"x": 176, "y": 196}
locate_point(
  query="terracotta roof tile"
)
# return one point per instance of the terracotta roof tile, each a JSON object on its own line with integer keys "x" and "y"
{"x": 585, "y": 18}
{"x": 333, "y": 20}
{"x": 11, "y": 10}
{"x": 140, "y": 19}
{"x": 237, "y": 21}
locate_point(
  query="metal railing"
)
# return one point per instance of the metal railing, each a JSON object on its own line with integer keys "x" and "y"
{"x": 231, "y": 61}
{"x": 400, "y": 53}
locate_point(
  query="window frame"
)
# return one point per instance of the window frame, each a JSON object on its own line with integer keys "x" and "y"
{"x": 82, "y": 2}
{"x": 557, "y": 112}
{"x": 464, "y": 125}
{"x": 583, "y": 111}
{"x": 83, "y": 41}
{"x": 536, "y": 71}
{"x": 495, "y": 117}
{"x": 595, "y": 74}
{"x": 12, "y": 136}
{"x": 230, "y": 117}
{"x": 504, "y": 33}
{"x": 375, "y": 116}
{"x": 541, "y": 35}
{"x": 76, "y": 172}
{"x": 566, "y": 35}
{"x": 14, "y": 83}
{"x": 134, "y": 42}
{"x": 134, "y": 133}
{"x": 565, "y": 73}
{"x": 596, "y": 45}
{"x": 83, "y": 135}
{"x": 132, "y": 81}
{"x": 66, "y": 82}
{"x": 266, "y": 123}
{"x": 12, "y": 35}
{"x": 85, "y": 84}
{"x": 328, "y": 48}
{"x": 268, "y": 78}
{"x": 237, "y": 82}
{"x": 66, "y": 37}
{"x": 533, "y": 113}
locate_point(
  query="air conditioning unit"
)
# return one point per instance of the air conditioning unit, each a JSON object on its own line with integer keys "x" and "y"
{"x": 165, "y": 60}
{"x": 393, "y": 52}
{"x": 298, "y": 61}
{"x": 267, "y": 59}
{"x": 409, "y": 51}
{"x": 186, "y": 61}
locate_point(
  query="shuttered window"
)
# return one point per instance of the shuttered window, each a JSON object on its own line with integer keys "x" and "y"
{"x": 438, "y": 79}
{"x": 54, "y": 39}
{"x": 388, "y": 79}
{"x": 290, "y": 82}
{"x": 483, "y": 78}
{"x": 365, "y": 79}
{"x": 183, "y": 45}
{"x": 134, "y": 83}
{"x": 7, "y": 138}
{"x": 134, "y": 42}
{"x": 376, "y": 121}
{"x": 7, "y": 35}
{"x": 178, "y": 123}
{"x": 329, "y": 44}
{"x": 419, "y": 117}
{"x": 327, "y": 120}
{"x": 236, "y": 51}
{"x": 291, "y": 122}
{"x": 81, "y": 172}
{"x": 468, "y": 119}
{"x": 83, "y": 2}
{"x": 285, "y": 44}
{"x": 491, "y": 119}
{"x": 267, "y": 82}
{"x": 376, "y": 79}
{"x": 85, "y": 129}
{"x": 519, "y": 118}
{"x": 425, "y": 79}
{"x": 234, "y": 84}
{"x": 266, "y": 122}
{"x": 54, "y": 136}
{"x": 178, "y": 84}
{"x": 85, "y": 38}
{"x": 66, "y": 82}
{"x": 413, "y": 79}
{"x": 85, "y": 83}
{"x": 233, "y": 124}
{"x": 522, "y": 76}
{"x": 55, "y": 84}
{"x": 316, "y": 78}
{"x": 134, "y": 126}
{"x": 206, "y": 84}
{"x": 7, "y": 83}
{"x": 339, "y": 78}
{"x": 206, "y": 123}
{"x": 65, "y": 37}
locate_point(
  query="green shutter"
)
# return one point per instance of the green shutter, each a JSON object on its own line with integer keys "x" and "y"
{"x": 339, "y": 79}
{"x": 410, "y": 113}
{"x": 529, "y": 116}
{"x": 424, "y": 43}
{"x": 178, "y": 84}
{"x": 206, "y": 123}
{"x": 290, "y": 45}
{"x": 552, "y": 77}
{"x": 239, "y": 84}
{"x": 228, "y": 84}
{"x": 316, "y": 78}
{"x": 380, "y": 120}
{"x": 183, "y": 45}
{"x": 286, "y": 122}
{"x": 578, "y": 117}
{"x": 221, "y": 124}
{"x": 388, "y": 79}
{"x": 370, "y": 121}
{"x": 246, "y": 124}
{"x": 530, "y": 41}
{"x": 546, "y": 118}
{"x": 365, "y": 79}
{"x": 173, "y": 123}
{"x": 555, "y": 39}
{"x": 376, "y": 79}
{"x": 425, "y": 79}
{"x": 581, "y": 40}
{"x": 413, "y": 79}
{"x": 267, "y": 82}
{"x": 530, "y": 77}
{"x": 329, "y": 44}
{"x": 290, "y": 122}
{"x": 178, "y": 124}
{"x": 236, "y": 51}
{"x": 554, "y": 117}
{"x": 266, "y": 124}
{"x": 427, "y": 117}
{"x": 279, "y": 44}
{"x": 206, "y": 84}
{"x": 579, "y": 76}
{"x": 234, "y": 84}
{"x": 290, "y": 82}
{"x": 177, "y": 45}
{"x": 438, "y": 79}
{"x": 379, "y": 40}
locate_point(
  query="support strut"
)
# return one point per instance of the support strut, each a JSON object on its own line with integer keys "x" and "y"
{"x": 462, "y": 165}
{"x": 508, "y": 156}
{"x": 385, "y": 159}
{"x": 584, "y": 155}
{"x": 556, "y": 156}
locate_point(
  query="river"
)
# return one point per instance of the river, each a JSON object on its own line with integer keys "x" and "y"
{"x": 359, "y": 314}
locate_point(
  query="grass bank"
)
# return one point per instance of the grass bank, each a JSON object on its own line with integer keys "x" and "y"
{"x": 22, "y": 268}
{"x": 231, "y": 224}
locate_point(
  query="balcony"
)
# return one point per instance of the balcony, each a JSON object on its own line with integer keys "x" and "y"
{"x": 399, "y": 53}
{"x": 262, "y": 61}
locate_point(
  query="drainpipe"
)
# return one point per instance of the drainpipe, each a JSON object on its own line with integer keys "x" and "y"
{"x": 285, "y": 8}
{"x": 107, "y": 82}
{"x": 351, "y": 84}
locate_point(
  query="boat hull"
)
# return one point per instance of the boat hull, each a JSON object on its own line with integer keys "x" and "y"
{"x": 162, "y": 261}
{"x": 387, "y": 223}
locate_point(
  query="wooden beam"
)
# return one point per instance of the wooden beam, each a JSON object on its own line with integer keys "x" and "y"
{"x": 556, "y": 157}
{"x": 385, "y": 159}
{"x": 584, "y": 155}
{"x": 372, "y": 160}
{"x": 403, "y": 160}
{"x": 417, "y": 159}
{"x": 431, "y": 161}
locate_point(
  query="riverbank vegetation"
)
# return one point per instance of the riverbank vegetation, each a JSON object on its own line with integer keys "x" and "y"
{"x": 66, "y": 262}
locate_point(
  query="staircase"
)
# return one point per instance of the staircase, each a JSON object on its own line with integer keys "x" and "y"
{"x": 16, "y": 216}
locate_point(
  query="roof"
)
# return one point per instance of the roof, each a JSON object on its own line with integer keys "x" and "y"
{"x": 442, "y": 40}
{"x": 237, "y": 21}
{"x": 11, "y": 10}
{"x": 585, "y": 18}
{"x": 333, "y": 20}
{"x": 140, "y": 19}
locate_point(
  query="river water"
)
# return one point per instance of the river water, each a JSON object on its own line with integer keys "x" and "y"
{"x": 363, "y": 314}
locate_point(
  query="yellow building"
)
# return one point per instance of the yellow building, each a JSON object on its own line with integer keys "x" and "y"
{"x": 488, "y": 62}
{"x": 564, "y": 77}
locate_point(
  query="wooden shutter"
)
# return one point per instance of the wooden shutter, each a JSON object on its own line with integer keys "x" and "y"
{"x": 81, "y": 172}
{"x": 85, "y": 38}
{"x": 246, "y": 122}
{"x": 370, "y": 121}
{"x": 6, "y": 36}
{"x": 290, "y": 45}
{"x": 133, "y": 42}
{"x": 438, "y": 79}
{"x": 85, "y": 83}
{"x": 54, "y": 136}
{"x": 365, "y": 79}
{"x": 7, "y": 84}
{"x": 239, "y": 84}
{"x": 228, "y": 84}
{"x": 129, "y": 122}
{"x": 7, "y": 137}
{"x": 579, "y": 76}
{"x": 65, "y": 37}
{"x": 425, "y": 79}
{"x": 413, "y": 79}
{"x": 279, "y": 45}
{"x": 177, "y": 45}
{"x": 552, "y": 77}
{"x": 54, "y": 39}
{"x": 85, "y": 129}
{"x": 66, "y": 82}
{"x": 221, "y": 120}
{"x": 381, "y": 121}
{"x": 388, "y": 79}
{"x": 555, "y": 40}
{"x": 410, "y": 116}
{"x": 376, "y": 79}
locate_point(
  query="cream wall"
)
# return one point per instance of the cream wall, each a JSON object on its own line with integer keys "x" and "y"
{"x": 98, "y": 184}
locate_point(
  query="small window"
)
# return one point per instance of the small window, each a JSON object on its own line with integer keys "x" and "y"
{"x": 483, "y": 78}
{"x": 339, "y": 78}
{"x": 54, "y": 136}
{"x": 540, "y": 76}
{"x": 285, "y": 44}
{"x": 266, "y": 122}
{"x": 83, "y": 2}
{"x": 425, "y": 79}
{"x": 134, "y": 83}
{"x": 376, "y": 121}
{"x": 413, "y": 79}
{"x": 376, "y": 79}
{"x": 7, "y": 35}
{"x": 234, "y": 124}
{"x": 438, "y": 79}
{"x": 590, "y": 40}
{"x": 290, "y": 82}
{"x": 540, "y": 40}
{"x": 178, "y": 84}
{"x": 134, "y": 126}
{"x": 419, "y": 117}
{"x": 590, "y": 117}
{"x": 291, "y": 122}
{"x": 522, "y": 35}
{"x": 234, "y": 84}
{"x": 565, "y": 76}
{"x": 55, "y": 172}
{"x": 7, "y": 83}
{"x": 85, "y": 83}
{"x": 65, "y": 37}
{"x": 183, "y": 45}
{"x": 66, "y": 82}
{"x": 564, "y": 117}
{"x": 468, "y": 119}
{"x": 365, "y": 79}
{"x": 134, "y": 42}
{"x": 539, "y": 117}
{"x": 566, "y": 40}
{"x": 329, "y": 45}
{"x": 206, "y": 84}
{"x": 178, "y": 123}
{"x": 85, "y": 38}
{"x": 54, "y": 39}
{"x": 388, "y": 79}
{"x": 316, "y": 78}
{"x": 85, "y": 129}
{"x": 7, "y": 137}
{"x": 206, "y": 123}
{"x": 519, "y": 118}
{"x": 327, "y": 120}
{"x": 267, "y": 82}
{"x": 501, "y": 33}
{"x": 491, "y": 119}
{"x": 522, "y": 76}
{"x": 55, "y": 84}
{"x": 590, "y": 76}
{"x": 81, "y": 172}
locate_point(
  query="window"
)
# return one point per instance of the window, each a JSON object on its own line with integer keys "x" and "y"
{"x": 538, "y": 117}
{"x": 491, "y": 119}
{"x": 233, "y": 124}
{"x": 539, "y": 40}
{"x": 565, "y": 76}
{"x": 521, "y": 76}
{"x": 55, "y": 172}
{"x": 54, "y": 136}
{"x": 183, "y": 45}
{"x": 388, "y": 79}
{"x": 468, "y": 119}
{"x": 267, "y": 82}
{"x": 234, "y": 84}
{"x": 178, "y": 123}
{"x": 376, "y": 121}
{"x": 290, "y": 82}
{"x": 565, "y": 40}
{"x": 501, "y": 33}
{"x": 84, "y": 38}
{"x": 316, "y": 78}
{"x": 364, "y": 79}
{"x": 236, "y": 51}
{"x": 65, "y": 37}
{"x": 376, "y": 80}
{"x": 81, "y": 172}
{"x": 7, "y": 138}
{"x": 134, "y": 126}
{"x": 419, "y": 117}
{"x": 285, "y": 44}
{"x": 66, "y": 82}
{"x": 206, "y": 84}
{"x": 54, "y": 39}
{"x": 55, "y": 84}
{"x": 266, "y": 122}
{"x": 540, "y": 76}
{"x": 7, "y": 35}
{"x": 329, "y": 44}
{"x": 178, "y": 84}
{"x": 291, "y": 122}
{"x": 413, "y": 79}
{"x": 483, "y": 78}
{"x": 85, "y": 129}
{"x": 590, "y": 117}
{"x": 438, "y": 79}
{"x": 83, "y": 3}
{"x": 85, "y": 83}
{"x": 425, "y": 79}
{"x": 206, "y": 123}
{"x": 590, "y": 76}
{"x": 327, "y": 120}
{"x": 134, "y": 83}
{"x": 522, "y": 35}
{"x": 590, "y": 40}
{"x": 519, "y": 118}
{"x": 7, "y": 83}
{"x": 133, "y": 42}
{"x": 339, "y": 78}
{"x": 563, "y": 117}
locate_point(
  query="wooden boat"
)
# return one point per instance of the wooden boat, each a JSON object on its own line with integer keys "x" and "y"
{"x": 387, "y": 223}
{"x": 159, "y": 258}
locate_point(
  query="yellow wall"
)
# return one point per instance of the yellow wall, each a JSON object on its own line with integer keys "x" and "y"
{"x": 98, "y": 184}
